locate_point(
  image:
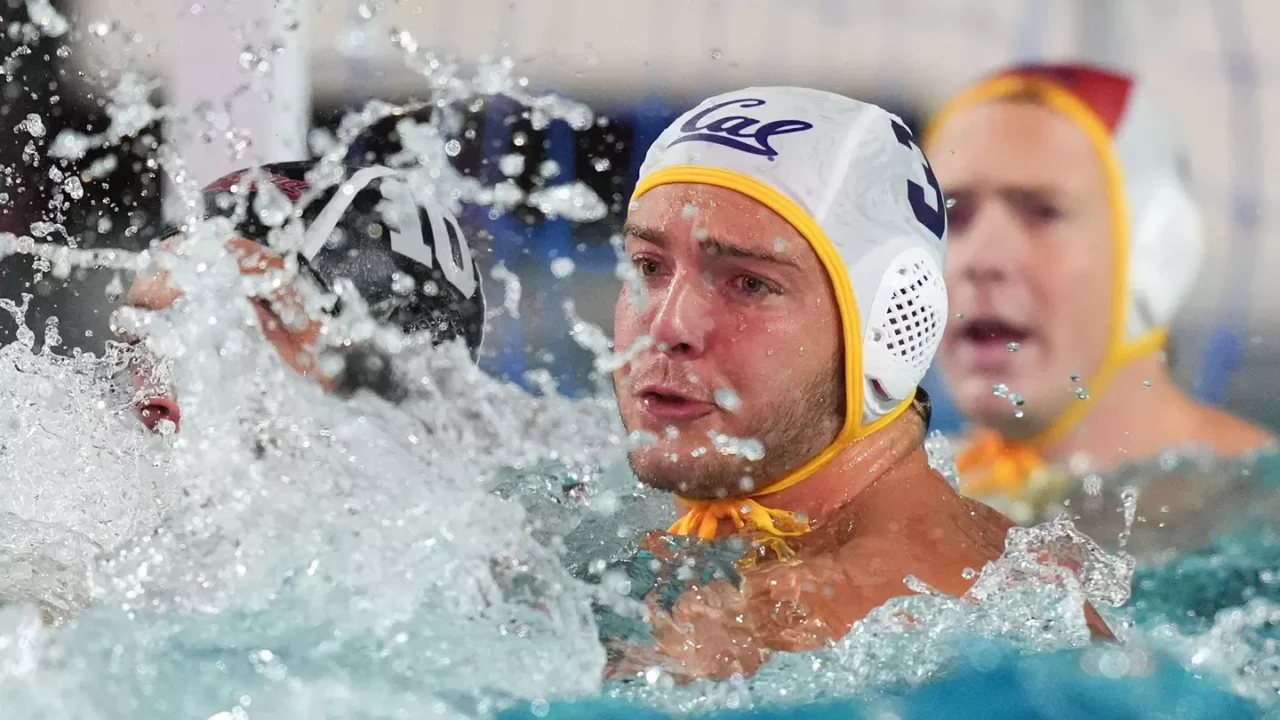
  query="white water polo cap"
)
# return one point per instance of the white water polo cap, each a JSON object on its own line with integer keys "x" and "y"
{"x": 1156, "y": 225}
{"x": 850, "y": 178}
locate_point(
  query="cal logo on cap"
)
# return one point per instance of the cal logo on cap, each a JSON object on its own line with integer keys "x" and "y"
{"x": 740, "y": 132}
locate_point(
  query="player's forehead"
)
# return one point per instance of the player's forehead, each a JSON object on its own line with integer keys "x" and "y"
{"x": 1013, "y": 142}
{"x": 693, "y": 214}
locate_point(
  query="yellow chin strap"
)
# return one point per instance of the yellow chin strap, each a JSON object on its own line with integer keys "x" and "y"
{"x": 703, "y": 517}
{"x": 992, "y": 464}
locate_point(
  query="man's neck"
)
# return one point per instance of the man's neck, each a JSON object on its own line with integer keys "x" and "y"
{"x": 893, "y": 449}
{"x": 1140, "y": 414}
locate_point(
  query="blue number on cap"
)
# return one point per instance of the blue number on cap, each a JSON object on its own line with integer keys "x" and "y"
{"x": 932, "y": 216}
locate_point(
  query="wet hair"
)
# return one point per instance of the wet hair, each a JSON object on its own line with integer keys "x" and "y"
{"x": 923, "y": 406}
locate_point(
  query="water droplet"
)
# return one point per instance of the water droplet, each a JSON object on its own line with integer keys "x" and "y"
{"x": 1013, "y": 347}
{"x": 49, "y": 21}
{"x": 601, "y": 164}
{"x": 749, "y": 448}
{"x": 402, "y": 284}
{"x": 916, "y": 585}
{"x": 511, "y": 165}
{"x": 453, "y": 148}
{"x": 951, "y": 202}
{"x": 574, "y": 200}
{"x": 1129, "y": 504}
{"x": 33, "y": 125}
{"x": 1146, "y": 383}
{"x": 43, "y": 228}
{"x": 1018, "y": 414}
{"x": 968, "y": 573}
{"x": 716, "y": 54}
{"x": 73, "y": 187}
{"x": 1075, "y": 377}
{"x": 1082, "y": 393}
{"x": 271, "y": 205}
{"x": 1000, "y": 390}
{"x": 115, "y": 288}
{"x": 562, "y": 267}
{"x": 728, "y": 399}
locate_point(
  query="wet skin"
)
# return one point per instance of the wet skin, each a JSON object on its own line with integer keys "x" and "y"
{"x": 879, "y": 512}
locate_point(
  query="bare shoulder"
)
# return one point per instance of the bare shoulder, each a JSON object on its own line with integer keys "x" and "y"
{"x": 801, "y": 604}
{"x": 1230, "y": 435}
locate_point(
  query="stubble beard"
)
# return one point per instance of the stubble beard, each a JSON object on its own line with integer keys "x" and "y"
{"x": 792, "y": 428}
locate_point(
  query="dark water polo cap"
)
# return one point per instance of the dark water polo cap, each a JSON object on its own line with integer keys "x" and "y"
{"x": 409, "y": 261}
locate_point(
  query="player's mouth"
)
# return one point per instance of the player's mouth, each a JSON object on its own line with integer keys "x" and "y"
{"x": 672, "y": 404}
{"x": 991, "y": 344}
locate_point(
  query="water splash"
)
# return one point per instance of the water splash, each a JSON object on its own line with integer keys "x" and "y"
{"x": 942, "y": 457}
{"x": 1129, "y": 503}
{"x": 77, "y": 473}
{"x": 49, "y": 21}
{"x": 355, "y": 530}
{"x": 511, "y": 289}
{"x": 350, "y": 551}
{"x": 1240, "y": 645}
{"x": 352, "y": 530}
{"x": 428, "y": 146}
{"x": 130, "y": 112}
{"x": 62, "y": 258}
{"x": 1032, "y": 597}
{"x": 323, "y": 557}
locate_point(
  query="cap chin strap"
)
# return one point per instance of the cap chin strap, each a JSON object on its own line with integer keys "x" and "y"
{"x": 704, "y": 516}
{"x": 993, "y": 464}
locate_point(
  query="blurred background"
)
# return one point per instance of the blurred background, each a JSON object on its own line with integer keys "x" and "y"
{"x": 258, "y": 71}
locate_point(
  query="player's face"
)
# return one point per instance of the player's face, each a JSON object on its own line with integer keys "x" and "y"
{"x": 1029, "y": 266}
{"x": 282, "y": 318}
{"x": 744, "y": 334}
